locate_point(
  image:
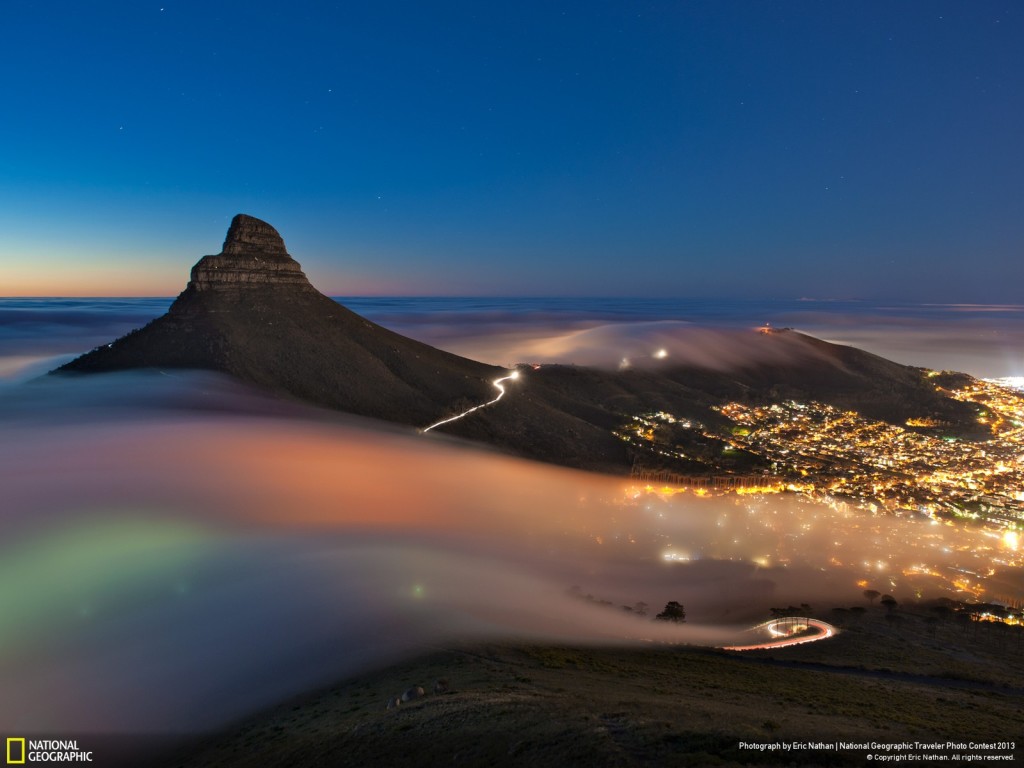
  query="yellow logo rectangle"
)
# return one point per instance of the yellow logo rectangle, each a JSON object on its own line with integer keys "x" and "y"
{"x": 11, "y": 759}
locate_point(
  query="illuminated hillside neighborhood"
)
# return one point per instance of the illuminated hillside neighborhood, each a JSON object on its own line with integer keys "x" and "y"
{"x": 816, "y": 449}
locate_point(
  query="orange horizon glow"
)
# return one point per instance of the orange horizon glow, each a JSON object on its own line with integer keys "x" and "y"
{"x": 31, "y": 278}
{"x": 30, "y": 293}
{"x": 95, "y": 289}
{"x": 25, "y": 282}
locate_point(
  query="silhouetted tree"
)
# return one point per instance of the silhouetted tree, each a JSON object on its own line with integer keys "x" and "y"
{"x": 673, "y": 612}
{"x": 889, "y": 602}
{"x": 641, "y": 608}
{"x": 791, "y": 613}
{"x": 974, "y": 612}
{"x": 872, "y": 595}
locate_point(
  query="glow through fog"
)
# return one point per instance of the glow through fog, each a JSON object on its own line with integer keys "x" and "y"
{"x": 501, "y": 393}
{"x": 779, "y": 629}
{"x": 275, "y": 554}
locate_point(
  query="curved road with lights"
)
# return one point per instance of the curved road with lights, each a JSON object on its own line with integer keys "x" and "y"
{"x": 782, "y": 639}
{"x": 501, "y": 393}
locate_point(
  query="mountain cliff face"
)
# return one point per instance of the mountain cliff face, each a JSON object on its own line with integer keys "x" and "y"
{"x": 253, "y": 252}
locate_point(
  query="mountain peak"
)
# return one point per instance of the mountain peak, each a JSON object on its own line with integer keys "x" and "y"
{"x": 253, "y": 252}
{"x": 247, "y": 234}
{"x": 250, "y": 312}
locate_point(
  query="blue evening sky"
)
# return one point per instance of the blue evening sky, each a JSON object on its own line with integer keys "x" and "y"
{"x": 733, "y": 149}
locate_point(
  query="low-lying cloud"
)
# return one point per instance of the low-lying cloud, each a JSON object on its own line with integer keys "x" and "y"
{"x": 161, "y": 547}
{"x": 982, "y": 341}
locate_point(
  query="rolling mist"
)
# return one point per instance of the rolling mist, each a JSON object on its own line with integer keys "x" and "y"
{"x": 178, "y": 551}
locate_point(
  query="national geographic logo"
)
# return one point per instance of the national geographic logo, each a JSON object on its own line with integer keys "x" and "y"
{"x": 15, "y": 751}
{"x": 21, "y": 751}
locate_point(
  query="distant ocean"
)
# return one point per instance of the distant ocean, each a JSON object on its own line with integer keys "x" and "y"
{"x": 985, "y": 340}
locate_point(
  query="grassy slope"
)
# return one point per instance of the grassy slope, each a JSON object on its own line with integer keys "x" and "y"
{"x": 521, "y": 705}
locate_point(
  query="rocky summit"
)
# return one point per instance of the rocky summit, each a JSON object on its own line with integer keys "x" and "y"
{"x": 253, "y": 252}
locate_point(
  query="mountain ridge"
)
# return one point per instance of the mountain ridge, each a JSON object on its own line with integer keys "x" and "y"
{"x": 250, "y": 312}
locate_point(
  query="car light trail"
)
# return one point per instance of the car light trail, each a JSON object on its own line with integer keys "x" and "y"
{"x": 501, "y": 393}
{"x": 824, "y": 631}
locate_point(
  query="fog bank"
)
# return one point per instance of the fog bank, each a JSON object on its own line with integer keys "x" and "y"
{"x": 172, "y": 558}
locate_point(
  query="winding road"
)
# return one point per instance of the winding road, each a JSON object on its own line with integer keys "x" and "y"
{"x": 501, "y": 393}
{"x": 783, "y": 638}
